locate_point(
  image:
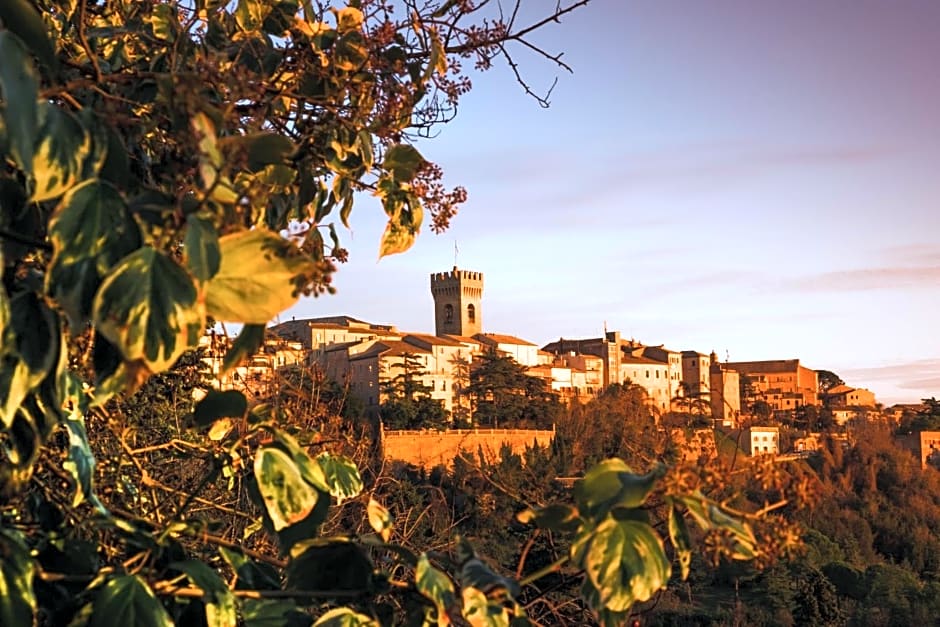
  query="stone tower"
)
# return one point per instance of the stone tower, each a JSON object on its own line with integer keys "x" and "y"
{"x": 457, "y": 295}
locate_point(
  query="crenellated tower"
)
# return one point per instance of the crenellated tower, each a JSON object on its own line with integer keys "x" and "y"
{"x": 457, "y": 302}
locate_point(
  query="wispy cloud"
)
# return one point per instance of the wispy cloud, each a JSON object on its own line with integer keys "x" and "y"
{"x": 864, "y": 279}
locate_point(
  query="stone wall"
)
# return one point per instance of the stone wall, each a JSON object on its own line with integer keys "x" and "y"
{"x": 434, "y": 448}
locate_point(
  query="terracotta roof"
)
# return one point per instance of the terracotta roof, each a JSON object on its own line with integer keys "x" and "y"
{"x": 773, "y": 365}
{"x": 840, "y": 389}
{"x": 632, "y": 359}
{"x": 496, "y": 338}
{"x": 433, "y": 339}
{"x": 389, "y": 348}
{"x": 463, "y": 339}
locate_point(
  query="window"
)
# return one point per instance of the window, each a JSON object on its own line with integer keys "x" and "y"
{"x": 471, "y": 313}
{"x": 448, "y": 313}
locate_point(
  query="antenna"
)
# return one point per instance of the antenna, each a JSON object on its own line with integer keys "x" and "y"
{"x": 456, "y": 250}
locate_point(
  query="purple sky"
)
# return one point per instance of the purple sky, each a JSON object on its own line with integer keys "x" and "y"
{"x": 758, "y": 178}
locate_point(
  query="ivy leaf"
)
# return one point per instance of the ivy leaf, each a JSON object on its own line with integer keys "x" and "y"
{"x": 163, "y": 21}
{"x": 250, "y": 13}
{"x": 80, "y": 462}
{"x": 708, "y": 515}
{"x": 91, "y": 230}
{"x": 310, "y": 469}
{"x": 341, "y": 475}
{"x": 201, "y": 247}
{"x": 271, "y": 613}
{"x": 437, "y": 587}
{"x": 395, "y": 239}
{"x": 287, "y": 498}
{"x": 330, "y": 565}
{"x": 611, "y": 484}
{"x": 249, "y": 340}
{"x": 403, "y": 162}
{"x": 480, "y": 611}
{"x": 127, "y": 600}
{"x": 259, "y": 277}
{"x": 345, "y": 617}
{"x": 147, "y": 307}
{"x": 17, "y": 599}
{"x": 556, "y": 517}
{"x": 380, "y": 519}
{"x": 19, "y": 86}
{"x": 348, "y": 19}
{"x": 216, "y": 404}
{"x": 219, "y": 600}
{"x": 62, "y": 147}
{"x": 679, "y": 534}
{"x": 266, "y": 149}
{"x": 21, "y": 18}
{"x": 624, "y": 560}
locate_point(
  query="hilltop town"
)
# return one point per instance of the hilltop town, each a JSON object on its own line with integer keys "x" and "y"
{"x": 364, "y": 357}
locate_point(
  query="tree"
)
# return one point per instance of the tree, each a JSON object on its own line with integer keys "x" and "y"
{"x": 163, "y": 164}
{"x": 504, "y": 395}
{"x": 460, "y": 368}
{"x": 828, "y": 380}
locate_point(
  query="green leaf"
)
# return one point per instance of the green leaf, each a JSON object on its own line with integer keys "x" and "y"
{"x": 395, "y": 239}
{"x": 17, "y": 600}
{"x": 480, "y": 611}
{"x": 403, "y": 162}
{"x": 345, "y": 617}
{"x": 271, "y": 613}
{"x": 220, "y": 404}
{"x": 611, "y": 484}
{"x": 147, "y": 307}
{"x": 62, "y": 147}
{"x": 211, "y": 163}
{"x": 679, "y": 534}
{"x": 341, "y": 475}
{"x": 21, "y": 18}
{"x": 251, "y": 575}
{"x": 219, "y": 600}
{"x": 708, "y": 515}
{"x": 436, "y": 586}
{"x": 201, "y": 247}
{"x": 287, "y": 498}
{"x": 329, "y": 565}
{"x": 250, "y": 13}
{"x": 259, "y": 277}
{"x": 91, "y": 230}
{"x": 556, "y": 517}
{"x": 127, "y": 600}
{"x": 266, "y": 149}
{"x": 624, "y": 560}
{"x": 475, "y": 573}
{"x": 249, "y": 340}
{"x": 163, "y": 21}
{"x": 37, "y": 337}
{"x": 309, "y": 468}
{"x": 380, "y": 519}
{"x": 19, "y": 87}
{"x": 80, "y": 462}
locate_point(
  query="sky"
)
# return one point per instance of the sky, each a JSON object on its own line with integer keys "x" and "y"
{"x": 752, "y": 177}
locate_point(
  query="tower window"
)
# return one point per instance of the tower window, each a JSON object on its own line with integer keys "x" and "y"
{"x": 448, "y": 313}
{"x": 471, "y": 313}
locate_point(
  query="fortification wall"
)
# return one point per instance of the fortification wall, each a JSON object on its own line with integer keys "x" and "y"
{"x": 435, "y": 448}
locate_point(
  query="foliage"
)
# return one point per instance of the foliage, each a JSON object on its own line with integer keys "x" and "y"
{"x": 154, "y": 157}
{"x": 503, "y": 395}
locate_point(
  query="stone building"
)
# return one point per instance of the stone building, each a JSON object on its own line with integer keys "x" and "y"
{"x": 784, "y": 384}
{"x": 458, "y": 297}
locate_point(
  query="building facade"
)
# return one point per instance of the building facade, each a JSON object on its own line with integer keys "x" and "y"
{"x": 458, "y": 299}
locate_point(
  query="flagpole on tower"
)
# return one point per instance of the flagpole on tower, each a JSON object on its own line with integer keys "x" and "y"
{"x": 456, "y": 250}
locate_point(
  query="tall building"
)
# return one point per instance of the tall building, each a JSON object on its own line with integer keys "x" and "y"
{"x": 457, "y": 302}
